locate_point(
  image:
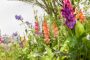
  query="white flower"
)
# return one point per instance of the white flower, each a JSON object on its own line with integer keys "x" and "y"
{"x": 88, "y": 37}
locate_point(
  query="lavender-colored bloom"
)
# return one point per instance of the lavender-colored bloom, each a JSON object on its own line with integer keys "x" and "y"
{"x": 68, "y": 14}
{"x": 70, "y": 24}
{"x": 18, "y": 17}
{"x": 15, "y": 34}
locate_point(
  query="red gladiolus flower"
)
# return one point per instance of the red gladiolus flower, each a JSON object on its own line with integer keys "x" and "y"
{"x": 36, "y": 26}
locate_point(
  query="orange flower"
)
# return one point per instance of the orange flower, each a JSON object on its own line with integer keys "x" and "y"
{"x": 47, "y": 40}
{"x": 80, "y": 16}
{"x": 55, "y": 29}
{"x": 46, "y": 32}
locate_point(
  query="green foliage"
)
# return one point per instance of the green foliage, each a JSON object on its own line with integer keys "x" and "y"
{"x": 66, "y": 47}
{"x": 79, "y": 29}
{"x": 69, "y": 45}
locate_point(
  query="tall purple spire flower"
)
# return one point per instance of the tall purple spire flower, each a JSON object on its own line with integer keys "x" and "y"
{"x": 18, "y": 17}
{"x": 68, "y": 14}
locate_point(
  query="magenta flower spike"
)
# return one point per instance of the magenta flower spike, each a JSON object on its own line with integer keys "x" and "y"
{"x": 68, "y": 14}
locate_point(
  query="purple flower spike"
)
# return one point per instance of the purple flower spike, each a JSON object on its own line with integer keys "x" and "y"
{"x": 18, "y": 17}
{"x": 70, "y": 24}
{"x": 68, "y": 14}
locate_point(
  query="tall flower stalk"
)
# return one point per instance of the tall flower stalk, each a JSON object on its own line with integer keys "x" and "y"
{"x": 68, "y": 14}
{"x": 36, "y": 26}
{"x": 46, "y": 32}
{"x": 55, "y": 30}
